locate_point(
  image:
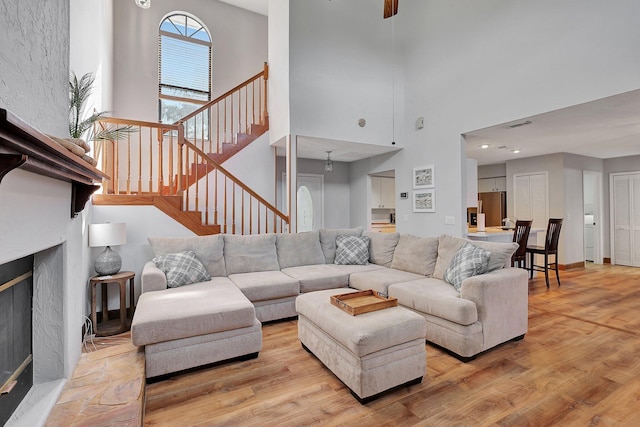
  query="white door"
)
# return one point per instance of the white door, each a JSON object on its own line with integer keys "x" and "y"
{"x": 532, "y": 198}
{"x": 625, "y": 205}
{"x": 310, "y": 201}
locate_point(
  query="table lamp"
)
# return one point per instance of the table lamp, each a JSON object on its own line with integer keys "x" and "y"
{"x": 108, "y": 262}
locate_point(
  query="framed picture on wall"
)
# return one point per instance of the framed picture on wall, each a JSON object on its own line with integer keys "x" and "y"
{"x": 424, "y": 177}
{"x": 424, "y": 201}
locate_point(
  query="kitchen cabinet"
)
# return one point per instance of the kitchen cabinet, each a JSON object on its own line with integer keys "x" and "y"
{"x": 383, "y": 191}
{"x": 487, "y": 185}
{"x": 383, "y": 228}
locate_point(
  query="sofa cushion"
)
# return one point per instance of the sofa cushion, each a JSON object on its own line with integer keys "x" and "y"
{"x": 198, "y": 309}
{"x": 379, "y": 280}
{"x": 266, "y": 285}
{"x": 248, "y": 254}
{"x": 318, "y": 277}
{"x": 352, "y": 250}
{"x": 182, "y": 268}
{"x": 328, "y": 240}
{"x": 299, "y": 249}
{"x": 437, "y": 298}
{"x": 448, "y": 246}
{"x": 416, "y": 254}
{"x": 351, "y": 269}
{"x": 469, "y": 261}
{"x": 208, "y": 249}
{"x": 381, "y": 247}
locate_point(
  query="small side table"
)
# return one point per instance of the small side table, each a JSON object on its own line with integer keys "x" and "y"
{"x": 112, "y": 327}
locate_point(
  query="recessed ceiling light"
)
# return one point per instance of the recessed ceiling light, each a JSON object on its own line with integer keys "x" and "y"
{"x": 484, "y": 146}
{"x": 516, "y": 151}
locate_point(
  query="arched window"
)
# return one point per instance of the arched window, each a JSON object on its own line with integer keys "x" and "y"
{"x": 184, "y": 68}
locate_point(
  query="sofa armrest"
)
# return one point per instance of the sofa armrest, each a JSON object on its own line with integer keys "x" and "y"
{"x": 153, "y": 279}
{"x": 502, "y": 300}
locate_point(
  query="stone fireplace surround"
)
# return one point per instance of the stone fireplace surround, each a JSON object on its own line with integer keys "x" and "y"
{"x": 35, "y": 219}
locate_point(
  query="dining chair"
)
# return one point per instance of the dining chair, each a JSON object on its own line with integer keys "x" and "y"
{"x": 520, "y": 236}
{"x": 550, "y": 248}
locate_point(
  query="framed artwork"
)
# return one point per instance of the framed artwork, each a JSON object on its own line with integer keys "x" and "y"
{"x": 424, "y": 201}
{"x": 424, "y": 177}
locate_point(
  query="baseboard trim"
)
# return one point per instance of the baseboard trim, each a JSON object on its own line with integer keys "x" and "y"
{"x": 572, "y": 266}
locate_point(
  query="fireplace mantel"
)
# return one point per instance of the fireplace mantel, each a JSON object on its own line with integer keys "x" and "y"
{"x": 25, "y": 147}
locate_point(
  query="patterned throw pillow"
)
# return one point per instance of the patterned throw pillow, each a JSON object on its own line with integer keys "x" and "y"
{"x": 352, "y": 250}
{"x": 469, "y": 261}
{"x": 182, "y": 268}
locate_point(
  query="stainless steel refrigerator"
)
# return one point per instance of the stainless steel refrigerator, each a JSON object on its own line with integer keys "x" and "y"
{"x": 494, "y": 207}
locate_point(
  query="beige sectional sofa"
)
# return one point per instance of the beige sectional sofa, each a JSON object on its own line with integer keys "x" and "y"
{"x": 257, "y": 278}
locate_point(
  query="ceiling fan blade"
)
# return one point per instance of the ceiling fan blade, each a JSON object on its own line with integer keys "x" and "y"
{"x": 390, "y": 8}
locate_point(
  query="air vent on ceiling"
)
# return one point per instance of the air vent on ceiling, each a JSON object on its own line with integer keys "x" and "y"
{"x": 517, "y": 125}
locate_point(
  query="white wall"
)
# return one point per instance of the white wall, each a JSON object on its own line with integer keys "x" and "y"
{"x": 91, "y": 48}
{"x": 278, "y": 89}
{"x": 35, "y": 211}
{"x": 342, "y": 69}
{"x": 239, "y": 40}
{"x": 492, "y": 171}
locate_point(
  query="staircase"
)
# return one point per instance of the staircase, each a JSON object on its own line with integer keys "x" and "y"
{"x": 178, "y": 167}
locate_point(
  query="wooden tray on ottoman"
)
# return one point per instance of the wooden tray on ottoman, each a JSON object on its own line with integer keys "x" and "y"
{"x": 363, "y": 302}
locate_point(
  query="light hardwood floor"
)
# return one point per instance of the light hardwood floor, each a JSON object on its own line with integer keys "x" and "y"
{"x": 579, "y": 364}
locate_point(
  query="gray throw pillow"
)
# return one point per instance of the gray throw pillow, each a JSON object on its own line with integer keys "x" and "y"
{"x": 469, "y": 261}
{"x": 328, "y": 240}
{"x": 182, "y": 268}
{"x": 352, "y": 250}
{"x": 208, "y": 249}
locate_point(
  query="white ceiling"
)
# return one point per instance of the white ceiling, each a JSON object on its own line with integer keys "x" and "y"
{"x": 605, "y": 128}
{"x": 258, "y": 6}
{"x": 341, "y": 151}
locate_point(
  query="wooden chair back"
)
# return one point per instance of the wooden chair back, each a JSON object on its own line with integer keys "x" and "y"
{"x": 521, "y": 236}
{"x": 553, "y": 235}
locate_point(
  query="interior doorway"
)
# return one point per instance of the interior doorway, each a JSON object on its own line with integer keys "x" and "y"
{"x": 592, "y": 200}
{"x": 310, "y": 201}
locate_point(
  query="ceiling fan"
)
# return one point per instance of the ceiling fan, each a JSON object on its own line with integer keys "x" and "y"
{"x": 390, "y": 8}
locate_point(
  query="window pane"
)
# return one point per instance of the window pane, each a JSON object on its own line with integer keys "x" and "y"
{"x": 184, "y": 64}
{"x": 171, "y": 111}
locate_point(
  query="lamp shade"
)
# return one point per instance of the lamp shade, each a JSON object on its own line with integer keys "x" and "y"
{"x": 109, "y": 234}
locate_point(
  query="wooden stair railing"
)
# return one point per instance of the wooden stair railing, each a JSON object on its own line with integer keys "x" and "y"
{"x": 225, "y": 125}
{"x": 225, "y": 200}
{"x": 156, "y": 165}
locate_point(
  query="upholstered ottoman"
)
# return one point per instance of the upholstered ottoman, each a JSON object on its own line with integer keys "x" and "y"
{"x": 195, "y": 325}
{"x": 370, "y": 353}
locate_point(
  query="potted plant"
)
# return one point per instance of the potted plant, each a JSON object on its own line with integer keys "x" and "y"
{"x": 79, "y": 92}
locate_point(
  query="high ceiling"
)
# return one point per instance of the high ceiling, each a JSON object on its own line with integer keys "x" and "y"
{"x": 605, "y": 128}
{"x": 258, "y": 6}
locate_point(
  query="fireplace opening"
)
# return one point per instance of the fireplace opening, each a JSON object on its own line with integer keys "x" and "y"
{"x": 16, "y": 347}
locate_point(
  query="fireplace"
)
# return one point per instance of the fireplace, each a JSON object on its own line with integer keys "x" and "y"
{"x": 16, "y": 357}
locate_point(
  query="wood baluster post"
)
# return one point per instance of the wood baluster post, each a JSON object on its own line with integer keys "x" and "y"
{"x": 161, "y": 165}
{"x": 151, "y": 161}
{"x": 215, "y": 197}
{"x": 181, "y": 171}
{"x": 266, "y": 78}
{"x": 224, "y": 211}
{"x": 139, "y": 160}
{"x": 218, "y": 148}
{"x": 242, "y": 215}
{"x": 128, "y": 163}
{"x": 233, "y": 210}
